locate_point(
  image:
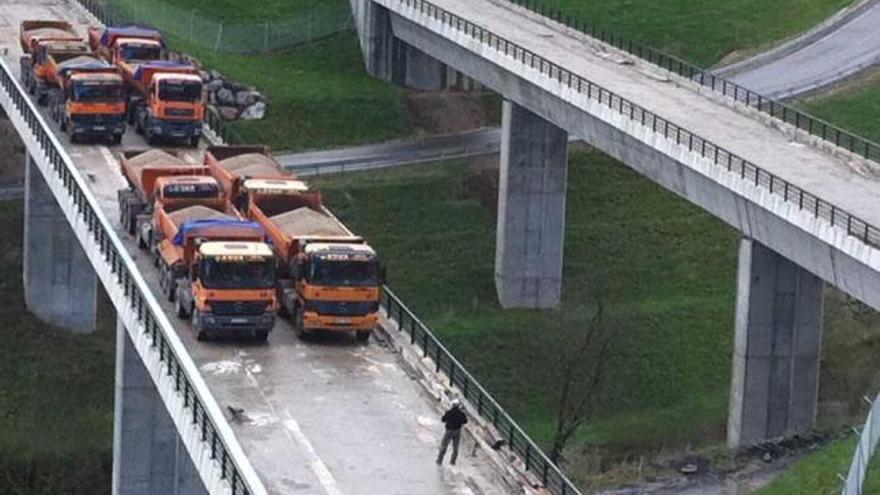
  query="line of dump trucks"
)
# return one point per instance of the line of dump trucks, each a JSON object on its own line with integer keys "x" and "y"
{"x": 95, "y": 85}
{"x": 237, "y": 241}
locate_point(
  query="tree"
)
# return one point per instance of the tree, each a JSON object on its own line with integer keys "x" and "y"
{"x": 582, "y": 353}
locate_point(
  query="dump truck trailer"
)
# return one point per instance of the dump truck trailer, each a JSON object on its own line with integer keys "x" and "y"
{"x": 233, "y": 166}
{"x": 157, "y": 174}
{"x": 217, "y": 268}
{"x": 89, "y": 99}
{"x": 46, "y": 44}
{"x": 328, "y": 278}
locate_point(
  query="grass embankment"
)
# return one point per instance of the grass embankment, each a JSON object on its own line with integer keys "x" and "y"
{"x": 699, "y": 31}
{"x": 56, "y": 391}
{"x": 853, "y": 107}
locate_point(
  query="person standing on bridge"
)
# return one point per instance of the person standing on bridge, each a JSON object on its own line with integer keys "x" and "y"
{"x": 454, "y": 418}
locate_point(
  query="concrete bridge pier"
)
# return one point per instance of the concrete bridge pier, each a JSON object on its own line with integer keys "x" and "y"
{"x": 531, "y": 210}
{"x": 388, "y": 58}
{"x": 60, "y": 285}
{"x": 777, "y": 348}
{"x": 148, "y": 456}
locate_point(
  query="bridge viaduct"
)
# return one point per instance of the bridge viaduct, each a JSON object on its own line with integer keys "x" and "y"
{"x": 757, "y": 173}
{"x": 700, "y": 137}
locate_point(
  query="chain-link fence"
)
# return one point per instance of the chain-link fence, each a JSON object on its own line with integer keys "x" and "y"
{"x": 234, "y": 36}
{"x": 858, "y": 470}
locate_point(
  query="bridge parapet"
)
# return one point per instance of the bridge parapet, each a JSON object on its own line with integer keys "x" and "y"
{"x": 203, "y": 428}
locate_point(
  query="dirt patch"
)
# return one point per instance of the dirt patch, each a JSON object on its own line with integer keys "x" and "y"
{"x": 481, "y": 183}
{"x": 445, "y": 112}
{"x": 11, "y": 153}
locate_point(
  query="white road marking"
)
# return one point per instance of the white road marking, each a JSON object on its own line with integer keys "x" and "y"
{"x": 325, "y": 477}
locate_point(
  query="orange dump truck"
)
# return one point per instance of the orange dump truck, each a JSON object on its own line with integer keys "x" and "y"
{"x": 233, "y": 166}
{"x": 329, "y": 278}
{"x": 166, "y": 98}
{"x": 159, "y": 175}
{"x": 217, "y": 268}
{"x": 88, "y": 99}
{"x": 46, "y": 44}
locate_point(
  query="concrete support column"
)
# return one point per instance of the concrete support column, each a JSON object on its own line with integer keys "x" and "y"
{"x": 390, "y": 59}
{"x": 61, "y": 287}
{"x": 531, "y": 210}
{"x": 148, "y": 456}
{"x": 778, "y": 344}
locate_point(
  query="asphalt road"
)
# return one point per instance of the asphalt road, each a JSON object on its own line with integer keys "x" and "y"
{"x": 843, "y": 50}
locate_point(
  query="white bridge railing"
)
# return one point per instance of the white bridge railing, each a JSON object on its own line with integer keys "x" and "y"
{"x": 858, "y": 469}
{"x": 204, "y": 429}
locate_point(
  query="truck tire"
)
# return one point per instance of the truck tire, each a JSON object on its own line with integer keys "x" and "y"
{"x": 166, "y": 282}
{"x": 299, "y": 326}
{"x": 261, "y": 335}
{"x": 201, "y": 334}
{"x": 363, "y": 336}
{"x": 194, "y": 141}
{"x": 182, "y": 312}
{"x": 117, "y": 139}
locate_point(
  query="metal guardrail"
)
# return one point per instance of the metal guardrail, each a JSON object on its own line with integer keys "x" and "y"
{"x": 858, "y": 470}
{"x": 487, "y": 407}
{"x": 205, "y": 413}
{"x": 789, "y": 192}
{"x": 801, "y": 120}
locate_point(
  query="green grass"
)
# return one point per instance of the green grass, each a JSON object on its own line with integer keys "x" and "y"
{"x": 56, "y": 392}
{"x": 816, "y": 473}
{"x": 263, "y": 10}
{"x": 669, "y": 293}
{"x": 855, "y": 109}
{"x": 702, "y": 31}
{"x": 315, "y": 100}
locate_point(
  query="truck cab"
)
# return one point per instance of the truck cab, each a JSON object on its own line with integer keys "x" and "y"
{"x": 174, "y": 107}
{"x": 337, "y": 286}
{"x": 90, "y": 103}
{"x": 230, "y": 286}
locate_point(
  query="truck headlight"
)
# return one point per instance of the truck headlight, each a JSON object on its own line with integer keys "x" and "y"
{"x": 210, "y": 320}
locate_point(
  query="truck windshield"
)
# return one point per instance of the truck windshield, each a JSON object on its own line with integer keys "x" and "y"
{"x": 141, "y": 53}
{"x": 224, "y": 274}
{"x": 98, "y": 93}
{"x": 344, "y": 273}
{"x": 179, "y": 91}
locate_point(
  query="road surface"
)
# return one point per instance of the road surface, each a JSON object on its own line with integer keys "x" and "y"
{"x": 843, "y": 50}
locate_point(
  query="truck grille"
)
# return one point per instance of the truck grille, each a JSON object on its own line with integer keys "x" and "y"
{"x": 343, "y": 308}
{"x": 238, "y": 308}
{"x": 97, "y": 119}
{"x": 180, "y": 112}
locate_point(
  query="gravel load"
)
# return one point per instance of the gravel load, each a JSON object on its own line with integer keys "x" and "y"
{"x": 306, "y": 222}
{"x": 258, "y": 171}
{"x": 248, "y": 160}
{"x": 197, "y": 212}
{"x": 49, "y": 32}
{"x": 155, "y": 157}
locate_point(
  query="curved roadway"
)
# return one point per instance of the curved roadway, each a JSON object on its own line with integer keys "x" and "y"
{"x": 844, "y": 48}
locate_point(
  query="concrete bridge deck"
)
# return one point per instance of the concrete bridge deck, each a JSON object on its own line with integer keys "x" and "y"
{"x": 838, "y": 177}
{"x": 333, "y": 417}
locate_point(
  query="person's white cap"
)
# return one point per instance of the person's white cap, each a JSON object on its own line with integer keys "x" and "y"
{"x": 456, "y": 403}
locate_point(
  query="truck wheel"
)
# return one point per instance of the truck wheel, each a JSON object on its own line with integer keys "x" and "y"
{"x": 363, "y": 336}
{"x": 261, "y": 335}
{"x": 299, "y": 325}
{"x": 117, "y": 139}
{"x": 63, "y": 124}
{"x": 73, "y": 138}
{"x": 194, "y": 141}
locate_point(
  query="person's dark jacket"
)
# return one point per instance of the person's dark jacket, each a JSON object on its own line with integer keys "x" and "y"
{"x": 455, "y": 418}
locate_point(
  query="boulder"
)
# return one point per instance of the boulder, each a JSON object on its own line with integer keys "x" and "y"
{"x": 214, "y": 86}
{"x": 254, "y": 112}
{"x": 215, "y": 74}
{"x": 225, "y": 97}
{"x": 228, "y": 113}
{"x": 245, "y": 99}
